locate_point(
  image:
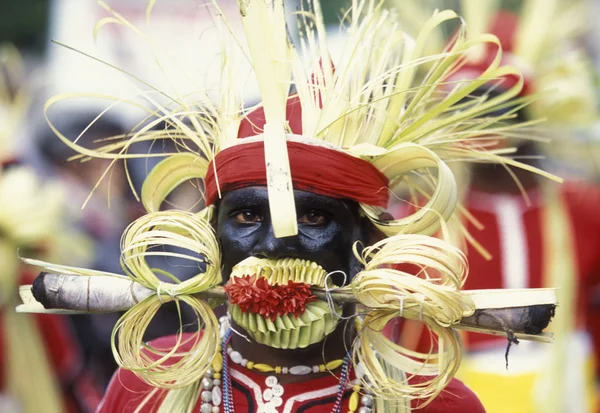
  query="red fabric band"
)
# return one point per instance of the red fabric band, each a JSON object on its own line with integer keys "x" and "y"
{"x": 315, "y": 169}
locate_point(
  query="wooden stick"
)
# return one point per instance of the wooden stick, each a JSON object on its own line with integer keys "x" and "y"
{"x": 101, "y": 294}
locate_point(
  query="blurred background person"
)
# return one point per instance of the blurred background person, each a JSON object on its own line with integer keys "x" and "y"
{"x": 41, "y": 364}
{"x": 100, "y": 199}
{"x": 101, "y": 186}
{"x": 532, "y": 233}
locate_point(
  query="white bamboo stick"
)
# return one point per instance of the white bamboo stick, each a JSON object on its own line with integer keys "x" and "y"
{"x": 499, "y": 312}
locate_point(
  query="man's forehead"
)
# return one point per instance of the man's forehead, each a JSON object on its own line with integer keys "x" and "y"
{"x": 256, "y": 195}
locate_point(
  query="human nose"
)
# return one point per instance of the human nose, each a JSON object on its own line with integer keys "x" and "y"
{"x": 268, "y": 246}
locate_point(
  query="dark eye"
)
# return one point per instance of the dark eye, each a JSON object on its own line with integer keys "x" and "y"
{"x": 314, "y": 218}
{"x": 246, "y": 217}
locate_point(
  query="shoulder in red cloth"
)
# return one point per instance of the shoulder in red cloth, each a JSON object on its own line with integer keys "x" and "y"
{"x": 583, "y": 199}
{"x": 126, "y": 392}
{"x": 455, "y": 398}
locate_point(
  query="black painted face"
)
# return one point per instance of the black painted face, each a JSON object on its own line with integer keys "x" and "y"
{"x": 327, "y": 230}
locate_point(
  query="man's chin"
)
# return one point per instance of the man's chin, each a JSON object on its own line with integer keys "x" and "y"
{"x": 289, "y": 331}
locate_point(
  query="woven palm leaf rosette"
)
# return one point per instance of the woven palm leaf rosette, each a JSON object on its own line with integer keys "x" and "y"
{"x": 367, "y": 106}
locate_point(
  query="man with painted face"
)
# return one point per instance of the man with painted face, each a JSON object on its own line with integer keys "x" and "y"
{"x": 294, "y": 229}
{"x": 301, "y": 373}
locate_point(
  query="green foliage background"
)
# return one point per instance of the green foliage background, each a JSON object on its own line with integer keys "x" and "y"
{"x": 24, "y": 23}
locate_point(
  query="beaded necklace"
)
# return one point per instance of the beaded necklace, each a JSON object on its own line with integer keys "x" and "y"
{"x": 299, "y": 370}
{"x": 212, "y": 396}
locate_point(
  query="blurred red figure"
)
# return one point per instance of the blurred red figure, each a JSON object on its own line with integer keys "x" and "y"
{"x": 78, "y": 389}
{"x": 546, "y": 236}
{"x": 41, "y": 366}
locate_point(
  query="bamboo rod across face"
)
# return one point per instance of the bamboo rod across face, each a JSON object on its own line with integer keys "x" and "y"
{"x": 103, "y": 294}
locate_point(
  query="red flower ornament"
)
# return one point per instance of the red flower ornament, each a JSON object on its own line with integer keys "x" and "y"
{"x": 256, "y": 295}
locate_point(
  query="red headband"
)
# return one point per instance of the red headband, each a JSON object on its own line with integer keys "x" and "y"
{"x": 314, "y": 169}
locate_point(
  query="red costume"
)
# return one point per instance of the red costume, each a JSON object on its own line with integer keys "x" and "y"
{"x": 126, "y": 392}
